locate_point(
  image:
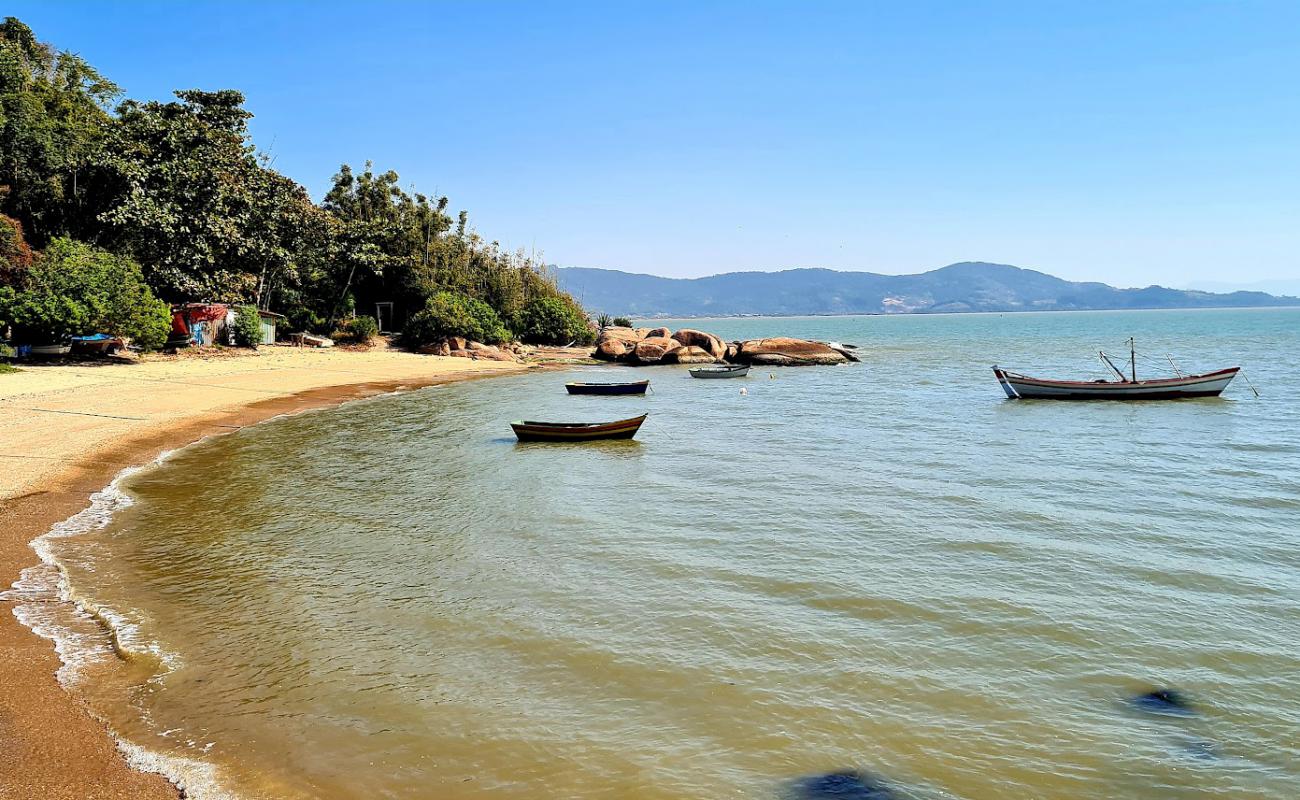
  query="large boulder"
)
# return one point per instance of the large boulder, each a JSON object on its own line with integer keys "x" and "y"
{"x": 689, "y": 355}
{"x": 732, "y": 349}
{"x": 659, "y": 332}
{"x": 785, "y": 352}
{"x": 616, "y": 343}
{"x": 652, "y": 349}
{"x": 705, "y": 341}
{"x": 613, "y": 349}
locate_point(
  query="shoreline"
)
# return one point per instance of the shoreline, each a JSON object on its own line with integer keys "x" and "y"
{"x": 51, "y": 746}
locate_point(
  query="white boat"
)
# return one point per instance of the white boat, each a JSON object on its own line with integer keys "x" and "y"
{"x": 728, "y": 371}
{"x": 1127, "y": 387}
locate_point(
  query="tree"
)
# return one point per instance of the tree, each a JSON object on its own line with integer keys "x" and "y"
{"x": 15, "y": 255}
{"x": 449, "y": 314}
{"x": 76, "y": 289}
{"x": 187, "y": 198}
{"x": 53, "y": 115}
{"x": 551, "y": 320}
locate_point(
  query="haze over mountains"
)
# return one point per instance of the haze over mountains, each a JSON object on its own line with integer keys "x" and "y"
{"x": 968, "y": 286}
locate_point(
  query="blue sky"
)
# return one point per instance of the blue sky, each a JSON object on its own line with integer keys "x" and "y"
{"x": 1131, "y": 142}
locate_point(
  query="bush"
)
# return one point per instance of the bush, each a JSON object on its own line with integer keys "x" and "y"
{"x": 74, "y": 289}
{"x": 622, "y": 322}
{"x": 550, "y": 320}
{"x": 451, "y": 314}
{"x": 358, "y": 329}
{"x": 247, "y": 327}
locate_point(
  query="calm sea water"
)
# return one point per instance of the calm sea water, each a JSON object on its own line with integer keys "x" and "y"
{"x": 885, "y": 567}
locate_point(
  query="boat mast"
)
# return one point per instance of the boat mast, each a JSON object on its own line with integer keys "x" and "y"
{"x": 1133, "y": 358}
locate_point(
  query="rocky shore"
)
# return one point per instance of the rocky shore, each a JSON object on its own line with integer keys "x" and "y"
{"x": 645, "y": 346}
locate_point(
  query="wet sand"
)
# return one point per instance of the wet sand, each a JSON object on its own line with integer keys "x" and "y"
{"x": 65, "y": 432}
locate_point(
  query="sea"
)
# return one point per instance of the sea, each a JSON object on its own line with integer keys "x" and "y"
{"x": 883, "y": 579}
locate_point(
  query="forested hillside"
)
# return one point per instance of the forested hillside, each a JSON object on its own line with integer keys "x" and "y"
{"x": 174, "y": 199}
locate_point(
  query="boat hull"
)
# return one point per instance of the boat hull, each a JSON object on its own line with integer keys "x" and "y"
{"x": 636, "y": 387}
{"x": 716, "y": 372}
{"x": 1019, "y": 386}
{"x": 530, "y": 431}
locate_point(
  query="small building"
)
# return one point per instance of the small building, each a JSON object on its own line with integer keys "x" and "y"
{"x": 201, "y": 324}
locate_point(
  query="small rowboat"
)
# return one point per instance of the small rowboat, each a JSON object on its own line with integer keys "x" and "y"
{"x": 635, "y": 387}
{"x": 1211, "y": 384}
{"x": 1127, "y": 387}
{"x": 529, "y": 431}
{"x": 737, "y": 371}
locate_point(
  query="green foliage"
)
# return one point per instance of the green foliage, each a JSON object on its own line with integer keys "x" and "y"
{"x": 75, "y": 289}
{"x": 8, "y": 369}
{"x": 53, "y": 113}
{"x": 358, "y": 329}
{"x": 551, "y": 320}
{"x": 450, "y": 314}
{"x": 603, "y": 321}
{"x": 180, "y": 189}
{"x": 247, "y": 327}
{"x": 622, "y": 322}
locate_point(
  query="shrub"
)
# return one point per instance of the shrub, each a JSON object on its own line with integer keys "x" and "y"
{"x": 550, "y": 320}
{"x": 358, "y": 329}
{"x": 452, "y": 314}
{"x": 247, "y": 327}
{"x": 74, "y": 289}
{"x": 622, "y": 322}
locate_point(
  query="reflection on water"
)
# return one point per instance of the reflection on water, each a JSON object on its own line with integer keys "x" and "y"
{"x": 880, "y": 580}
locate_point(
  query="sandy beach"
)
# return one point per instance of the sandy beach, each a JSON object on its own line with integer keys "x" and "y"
{"x": 65, "y": 431}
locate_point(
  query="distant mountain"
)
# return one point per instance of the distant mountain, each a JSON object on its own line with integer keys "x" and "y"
{"x": 1277, "y": 287}
{"x": 969, "y": 286}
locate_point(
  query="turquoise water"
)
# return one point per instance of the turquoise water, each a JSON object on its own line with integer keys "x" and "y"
{"x": 885, "y": 567}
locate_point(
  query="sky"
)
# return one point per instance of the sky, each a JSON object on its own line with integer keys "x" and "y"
{"x": 1129, "y": 142}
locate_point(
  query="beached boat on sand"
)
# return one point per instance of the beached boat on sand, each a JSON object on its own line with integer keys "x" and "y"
{"x": 530, "y": 431}
{"x": 1127, "y": 387}
{"x": 634, "y": 387}
{"x": 729, "y": 371}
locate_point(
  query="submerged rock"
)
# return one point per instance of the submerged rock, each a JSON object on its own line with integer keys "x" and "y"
{"x": 1164, "y": 701}
{"x": 846, "y": 785}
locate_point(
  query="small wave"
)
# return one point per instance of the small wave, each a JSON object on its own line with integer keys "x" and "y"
{"x": 85, "y": 633}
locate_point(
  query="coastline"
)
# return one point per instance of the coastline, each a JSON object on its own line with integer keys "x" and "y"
{"x": 56, "y": 457}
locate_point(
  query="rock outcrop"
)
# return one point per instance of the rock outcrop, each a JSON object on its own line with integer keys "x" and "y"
{"x": 652, "y": 349}
{"x": 689, "y": 355}
{"x": 786, "y": 352}
{"x": 689, "y": 346}
{"x": 705, "y": 341}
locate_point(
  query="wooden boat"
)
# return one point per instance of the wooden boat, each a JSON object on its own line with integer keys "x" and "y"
{"x": 727, "y": 371}
{"x": 1127, "y": 387}
{"x": 529, "y": 431}
{"x": 634, "y": 387}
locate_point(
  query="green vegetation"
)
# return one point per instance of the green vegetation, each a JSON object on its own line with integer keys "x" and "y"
{"x": 358, "y": 330}
{"x": 247, "y": 327}
{"x": 553, "y": 320}
{"x": 179, "y": 189}
{"x": 452, "y": 314}
{"x": 622, "y": 322}
{"x": 74, "y": 288}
